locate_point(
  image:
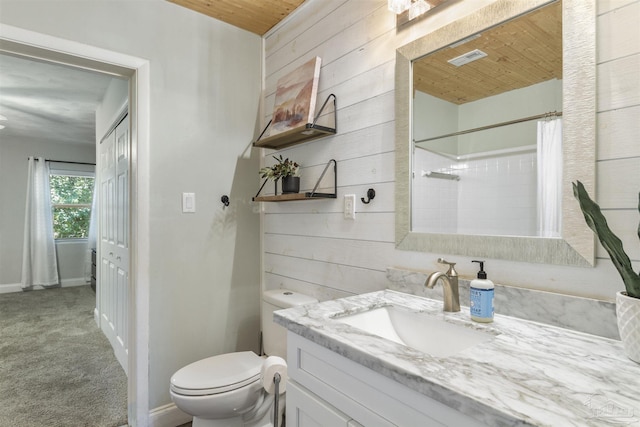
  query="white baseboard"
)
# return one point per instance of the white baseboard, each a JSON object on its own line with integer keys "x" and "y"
{"x": 13, "y": 287}
{"x": 65, "y": 283}
{"x": 78, "y": 281}
{"x": 168, "y": 416}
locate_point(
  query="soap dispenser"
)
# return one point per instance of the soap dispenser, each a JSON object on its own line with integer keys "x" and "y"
{"x": 481, "y": 294}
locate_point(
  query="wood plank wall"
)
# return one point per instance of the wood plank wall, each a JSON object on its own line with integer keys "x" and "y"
{"x": 308, "y": 246}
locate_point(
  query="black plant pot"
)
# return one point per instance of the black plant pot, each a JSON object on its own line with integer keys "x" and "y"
{"x": 290, "y": 184}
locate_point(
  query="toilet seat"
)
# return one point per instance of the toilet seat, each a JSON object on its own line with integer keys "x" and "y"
{"x": 217, "y": 374}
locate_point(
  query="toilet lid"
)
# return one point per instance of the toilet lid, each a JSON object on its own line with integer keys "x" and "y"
{"x": 217, "y": 374}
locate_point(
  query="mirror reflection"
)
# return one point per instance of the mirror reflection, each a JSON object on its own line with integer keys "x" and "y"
{"x": 487, "y": 131}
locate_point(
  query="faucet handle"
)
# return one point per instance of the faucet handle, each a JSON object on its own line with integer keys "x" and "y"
{"x": 452, "y": 271}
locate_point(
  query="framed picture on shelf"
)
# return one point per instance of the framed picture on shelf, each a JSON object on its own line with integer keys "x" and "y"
{"x": 295, "y": 98}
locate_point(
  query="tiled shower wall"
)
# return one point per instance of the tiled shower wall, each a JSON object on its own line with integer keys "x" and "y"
{"x": 495, "y": 195}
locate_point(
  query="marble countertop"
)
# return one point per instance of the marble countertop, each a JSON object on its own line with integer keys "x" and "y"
{"x": 530, "y": 374}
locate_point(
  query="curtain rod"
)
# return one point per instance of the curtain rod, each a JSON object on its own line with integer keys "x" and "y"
{"x": 65, "y": 161}
{"x": 511, "y": 122}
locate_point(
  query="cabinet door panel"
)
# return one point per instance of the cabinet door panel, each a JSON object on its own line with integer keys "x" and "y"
{"x": 306, "y": 410}
{"x": 122, "y": 178}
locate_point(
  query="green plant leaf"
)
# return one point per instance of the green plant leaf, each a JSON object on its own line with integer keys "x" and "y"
{"x": 611, "y": 243}
{"x": 283, "y": 168}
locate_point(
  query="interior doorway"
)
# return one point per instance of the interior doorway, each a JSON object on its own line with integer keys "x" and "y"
{"x": 43, "y": 47}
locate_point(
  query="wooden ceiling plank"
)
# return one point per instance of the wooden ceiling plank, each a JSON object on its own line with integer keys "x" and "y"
{"x": 256, "y": 16}
{"x": 234, "y": 15}
{"x": 263, "y": 9}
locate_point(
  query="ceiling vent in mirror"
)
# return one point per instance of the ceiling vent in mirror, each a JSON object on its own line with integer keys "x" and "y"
{"x": 467, "y": 57}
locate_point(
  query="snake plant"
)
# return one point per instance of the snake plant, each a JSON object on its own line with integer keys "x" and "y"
{"x": 612, "y": 244}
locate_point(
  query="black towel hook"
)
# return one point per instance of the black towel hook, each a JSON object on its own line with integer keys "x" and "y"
{"x": 371, "y": 194}
{"x": 225, "y": 200}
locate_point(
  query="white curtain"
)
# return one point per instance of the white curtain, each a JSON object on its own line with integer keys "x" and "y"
{"x": 91, "y": 238}
{"x": 549, "y": 177}
{"x": 39, "y": 263}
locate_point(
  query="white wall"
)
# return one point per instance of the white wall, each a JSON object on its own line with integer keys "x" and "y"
{"x": 115, "y": 98}
{"x": 433, "y": 117}
{"x": 529, "y": 101}
{"x": 13, "y": 187}
{"x": 308, "y": 246}
{"x": 72, "y": 261}
{"x": 205, "y": 92}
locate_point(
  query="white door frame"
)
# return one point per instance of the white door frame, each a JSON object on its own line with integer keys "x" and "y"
{"x": 36, "y": 45}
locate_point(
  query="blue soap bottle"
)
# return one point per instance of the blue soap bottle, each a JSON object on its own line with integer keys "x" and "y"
{"x": 481, "y": 294}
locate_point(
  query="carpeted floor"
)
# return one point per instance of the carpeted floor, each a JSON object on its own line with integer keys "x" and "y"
{"x": 57, "y": 369}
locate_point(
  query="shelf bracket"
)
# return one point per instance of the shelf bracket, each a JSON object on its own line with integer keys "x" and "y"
{"x": 335, "y": 179}
{"x": 263, "y": 184}
{"x": 335, "y": 112}
{"x": 264, "y": 130}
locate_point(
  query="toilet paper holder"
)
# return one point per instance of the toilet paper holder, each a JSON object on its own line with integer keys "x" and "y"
{"x": 276, "y": 381}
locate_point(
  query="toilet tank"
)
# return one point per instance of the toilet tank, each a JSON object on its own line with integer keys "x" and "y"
{"x": 274, "y": 336}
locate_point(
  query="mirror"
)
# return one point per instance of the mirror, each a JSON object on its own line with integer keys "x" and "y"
{"x": 570, "y": 92}
{"x": 477, "y": 107}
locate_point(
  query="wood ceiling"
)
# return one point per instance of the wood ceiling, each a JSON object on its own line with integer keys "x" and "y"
{"x": 256, "y": 16}
{"x": 521, "y": 53}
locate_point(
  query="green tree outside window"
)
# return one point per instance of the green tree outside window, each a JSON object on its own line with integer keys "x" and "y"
{"x": 71, "y": 198}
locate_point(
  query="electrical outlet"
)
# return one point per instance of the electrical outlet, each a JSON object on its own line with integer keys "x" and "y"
{"x": 349, "y": 206}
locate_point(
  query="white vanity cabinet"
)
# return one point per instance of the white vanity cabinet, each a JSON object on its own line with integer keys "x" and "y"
{"x": 327, "y": 389}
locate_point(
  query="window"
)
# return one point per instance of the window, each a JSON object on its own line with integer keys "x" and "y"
{"x": 71, "y": 198}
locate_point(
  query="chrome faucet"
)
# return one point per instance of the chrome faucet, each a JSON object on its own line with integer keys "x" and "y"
{"x": 449, "y": 284}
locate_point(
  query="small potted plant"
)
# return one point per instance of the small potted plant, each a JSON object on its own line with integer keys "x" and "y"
{"x": 627, "y": 303}
{"x": 286, "y": 169}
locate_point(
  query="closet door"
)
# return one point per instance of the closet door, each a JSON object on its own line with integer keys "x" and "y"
{"x": 113, "y": 282}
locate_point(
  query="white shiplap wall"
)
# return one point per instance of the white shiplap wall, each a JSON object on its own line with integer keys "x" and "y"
{"x": 309, "y": 247}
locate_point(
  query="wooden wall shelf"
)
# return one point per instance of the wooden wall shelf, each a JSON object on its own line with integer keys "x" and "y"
{"x": 295, "y": 136}
{"x": 311, "y": 195}
{"x": 301, "y": 134}
{"x": 294, "y": 196}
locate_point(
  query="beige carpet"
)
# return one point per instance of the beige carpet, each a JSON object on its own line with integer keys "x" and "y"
{"x": 57, "y": 369}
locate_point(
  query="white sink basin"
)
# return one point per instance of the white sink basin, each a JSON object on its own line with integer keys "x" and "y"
{"x": 420, "y": 331}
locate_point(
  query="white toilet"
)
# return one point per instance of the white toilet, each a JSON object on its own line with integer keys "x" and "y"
{"x": 226, "y": 390}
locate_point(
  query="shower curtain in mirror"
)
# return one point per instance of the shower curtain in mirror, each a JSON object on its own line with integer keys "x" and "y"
{"x": 39, "y": 263}
{"x": 549, "y": 178}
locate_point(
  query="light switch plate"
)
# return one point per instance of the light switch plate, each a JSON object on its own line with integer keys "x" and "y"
{"x": 349, "y": 206}
{"x": 188, "y": 202}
